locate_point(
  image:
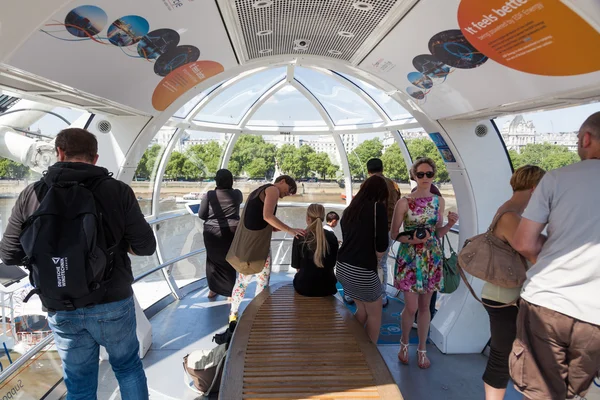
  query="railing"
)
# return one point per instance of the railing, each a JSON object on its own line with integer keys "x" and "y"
{"x": 163, "y": 266}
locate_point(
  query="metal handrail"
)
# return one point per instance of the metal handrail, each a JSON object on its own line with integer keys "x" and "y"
{"x": 167, "y": 216}
{"x": 48, "y": 340}
{"x": 25, "y": 357}
{"x": 168, "y": 263}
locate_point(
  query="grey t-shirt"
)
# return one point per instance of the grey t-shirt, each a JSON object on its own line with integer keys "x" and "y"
{"x": 566, "y": 276}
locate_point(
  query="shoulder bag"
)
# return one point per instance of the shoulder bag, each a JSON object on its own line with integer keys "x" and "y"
{"x": 451, "y": 276}
{"x": 493, "y": 260}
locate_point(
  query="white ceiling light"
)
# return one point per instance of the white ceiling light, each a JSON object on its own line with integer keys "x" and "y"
{"x": 264, "y": 33}
{"x": 262, "y": 3}
{"x": 362, "y": 5}
{"x": 346, "y": 34}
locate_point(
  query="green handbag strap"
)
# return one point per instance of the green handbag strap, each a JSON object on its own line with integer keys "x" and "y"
{"x": 444, "y": 245}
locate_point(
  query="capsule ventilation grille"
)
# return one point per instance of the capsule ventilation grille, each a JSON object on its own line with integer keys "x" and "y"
{"x": 329, "y": 28}
{"x": 104, "y": 126}
{"x": 481, "y": 130}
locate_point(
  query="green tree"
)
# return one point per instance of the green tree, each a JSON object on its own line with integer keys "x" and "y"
{"x": 12, "y": 170}
{"x": 285, "y": 159}
{"x": 515, "y": 157}
{"x": 321, "y": 164}
{"x": 257, "y": 168}
{"x": 179, "y": 166}
{"x": 394, "y": 166}
{"x": 424, "y": 147}
{"x": 358, "y": 158}
{"x": 544, "y": 155}
{"x": 145, "y": 168}
{"x": 206, "y": 156}
{"x": 248, "y": 149}
{"x": 303, "y": 158}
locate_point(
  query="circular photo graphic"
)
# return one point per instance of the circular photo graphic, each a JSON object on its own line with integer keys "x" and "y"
{"x": 85, "y": 21}
{"x": 453, "y": 49}
{"x": 127, "y": 30}
{"x": 175, "y": 58}
{"x": 429, "y": 66}
{"x": 416, "y": 93}
{"x": 157, "y": 43}
{"x": 420, "y": 80}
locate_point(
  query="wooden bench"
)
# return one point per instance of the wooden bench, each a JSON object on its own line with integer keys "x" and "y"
{"x": 287, "y": 346}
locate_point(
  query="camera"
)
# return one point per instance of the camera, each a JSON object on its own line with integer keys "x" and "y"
{"x": 302, "y": 43}
{"x": 421, "y": 232}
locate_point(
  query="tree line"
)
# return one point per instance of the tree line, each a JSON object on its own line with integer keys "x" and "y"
{"x": 251, "y": 157}
{"x": 254, "y": 158}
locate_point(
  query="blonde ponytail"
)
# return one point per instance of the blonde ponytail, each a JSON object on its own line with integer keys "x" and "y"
{"x": 317, "y": 240}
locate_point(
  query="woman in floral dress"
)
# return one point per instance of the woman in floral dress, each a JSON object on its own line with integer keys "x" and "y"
{"x": 418, "y": 271}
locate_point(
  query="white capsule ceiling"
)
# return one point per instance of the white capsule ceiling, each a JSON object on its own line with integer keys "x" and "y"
{"x": 305, "y": 100}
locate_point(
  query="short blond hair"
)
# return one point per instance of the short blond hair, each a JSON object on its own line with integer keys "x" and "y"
{"x": 526, "y": 177}
{"x": 421, "y": 161}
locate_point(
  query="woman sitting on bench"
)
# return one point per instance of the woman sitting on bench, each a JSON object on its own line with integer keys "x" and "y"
{"x": 314, "y": 256}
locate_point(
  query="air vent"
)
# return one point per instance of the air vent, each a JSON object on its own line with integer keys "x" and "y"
{"x": 481, "y": 130}
{"x": 341, "y": 25}
{"x": 103, "y": 126}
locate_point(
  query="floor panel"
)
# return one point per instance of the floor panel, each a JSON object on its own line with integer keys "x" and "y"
{"x": 190, "y": 324}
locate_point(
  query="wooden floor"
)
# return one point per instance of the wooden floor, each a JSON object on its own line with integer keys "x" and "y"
{"x": 287, "y": 346}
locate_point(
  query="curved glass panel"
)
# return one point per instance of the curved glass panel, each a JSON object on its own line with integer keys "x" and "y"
{"x": 189, "y": 106}
{"x": 392, "y": 108}
{"x": 190, "y": 168}
{"x": 343, "y": 105}
{"x": 287, "y": 107}
{"x": 147, "y": 169}
{"x": 229, "y": 106}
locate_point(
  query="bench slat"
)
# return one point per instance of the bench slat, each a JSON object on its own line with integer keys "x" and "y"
{"x": 286, "y": 346}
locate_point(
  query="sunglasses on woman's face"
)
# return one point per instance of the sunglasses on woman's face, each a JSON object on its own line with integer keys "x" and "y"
{"x": 428, "y": 174}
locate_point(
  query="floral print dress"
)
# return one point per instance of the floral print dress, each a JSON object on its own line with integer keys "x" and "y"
{"x": 419, "y": 267}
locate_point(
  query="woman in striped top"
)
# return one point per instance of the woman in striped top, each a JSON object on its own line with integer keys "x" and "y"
{"x": 365, "y": 239}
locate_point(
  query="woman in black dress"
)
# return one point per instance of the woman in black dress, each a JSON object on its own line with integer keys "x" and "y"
{"x": 314, "y": 256}
{"x": 220, "y": 210}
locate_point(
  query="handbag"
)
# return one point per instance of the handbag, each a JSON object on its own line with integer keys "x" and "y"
{"x": 449, "y": 269}
{"x": 202, "y": 369}
{"x": 249, "y": 250}
{"x": 379, "y": 267}
{"x": 493, "y": 260}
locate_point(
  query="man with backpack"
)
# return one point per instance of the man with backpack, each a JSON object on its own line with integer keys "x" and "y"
{"x": 73, "y": 230}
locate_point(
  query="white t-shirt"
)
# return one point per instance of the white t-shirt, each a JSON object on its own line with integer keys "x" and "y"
{"x": 566, "y": 277}
{"x": 327, "y": 228}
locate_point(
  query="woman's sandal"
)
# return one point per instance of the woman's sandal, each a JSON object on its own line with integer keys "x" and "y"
{"x": 211, "y": 294}
{"x": 403, "y": 353}
{"x": 423, "y": 362}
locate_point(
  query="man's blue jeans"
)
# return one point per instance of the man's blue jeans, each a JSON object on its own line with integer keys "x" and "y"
{"x": 78, "y": 336}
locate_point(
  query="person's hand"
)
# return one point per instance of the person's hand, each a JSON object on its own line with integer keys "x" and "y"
{"x": 452, "y": 218}
{"x": 297, "y": 232}
{"x": 276, "y": 230}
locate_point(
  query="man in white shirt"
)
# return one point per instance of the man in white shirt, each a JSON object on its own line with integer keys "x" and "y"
{"x": 557, "y": 350}
{"x": 331, "y": 221}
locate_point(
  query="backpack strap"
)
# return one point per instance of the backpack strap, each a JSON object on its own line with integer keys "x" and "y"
{"x": 112, "y": 244}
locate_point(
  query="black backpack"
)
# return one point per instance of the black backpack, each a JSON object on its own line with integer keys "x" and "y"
{"x": 67, "y": 256}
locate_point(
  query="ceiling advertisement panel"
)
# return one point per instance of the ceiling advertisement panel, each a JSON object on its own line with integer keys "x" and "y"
{"x": 459, "y": 56}
{"x": 141, "y": 53}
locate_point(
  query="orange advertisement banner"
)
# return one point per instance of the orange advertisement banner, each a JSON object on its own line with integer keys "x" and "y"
{"x": 181, "y": 80}
{"x": 543, "y": 37}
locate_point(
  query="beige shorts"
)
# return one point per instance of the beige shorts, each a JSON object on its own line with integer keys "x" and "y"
{"x": 554, "y": 356}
